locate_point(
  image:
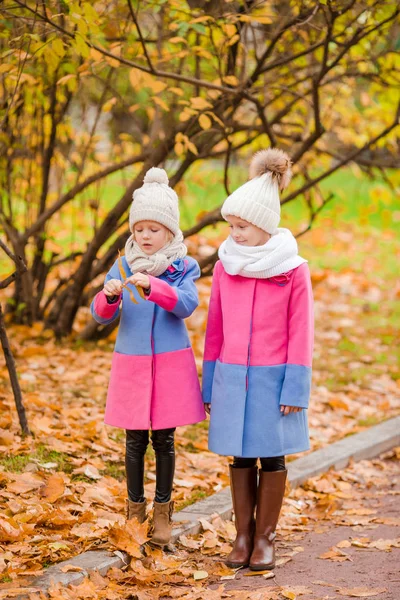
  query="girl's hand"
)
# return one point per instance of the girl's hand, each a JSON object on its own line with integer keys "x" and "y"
{"x": 207, "y": 407}
{"x": 286, "y": 410}
{"x": 139, "y": 279}
{"x": 113, "y": 287}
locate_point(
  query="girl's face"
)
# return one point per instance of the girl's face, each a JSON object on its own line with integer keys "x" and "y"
{"x": 246, "y": 234}
{"x": 151, "y": 236}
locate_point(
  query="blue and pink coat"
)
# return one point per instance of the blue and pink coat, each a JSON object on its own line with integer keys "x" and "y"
{"x": 153, "y": 382}
{"x": 258, "y": 354}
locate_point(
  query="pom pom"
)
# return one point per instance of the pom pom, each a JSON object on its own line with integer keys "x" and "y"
{"x": 273, "y": 161}
{"x": 155, "y": 175}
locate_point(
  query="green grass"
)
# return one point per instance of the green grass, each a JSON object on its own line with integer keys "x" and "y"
{"x": 113, "y": 469}
{"x": 17, "y": 463}
{"x": 197, "y": 495}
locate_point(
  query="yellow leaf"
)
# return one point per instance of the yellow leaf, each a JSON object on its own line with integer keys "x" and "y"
{"x": 185, "y": 115}
{"x": 71, "y": 568}
{"x": 107, "y": 106}
{"x": 58, "y": 47}
{"x": 359, "y": 592}
{"x": 202, "y": 19}
{"x": 198, "y": 575}
{"x": 229, "y": 29}
{"x": 205, "y": 122}
{"x": 157, "y": 86}
{"x": 54, "y": 488}
{"x": 192, "y": 148}
{"x": 176, "y": 91}
{"x": 160, "y": 103}
{"x": 217, "y": 119}
{"x": 177, "y": 40}
{"x": 140, "y": 291}
{"x": 231, "y": 80}
{"x": 124, "y": 276}
{"x": 96, "y": 55}
{"x": 234, "y": 39}
{"x": 179, "y": 148}
{"x": 129, "y": 536}
{"x": 135, "y": 78}
{"x": 200, "y": 103}
{"x": 338, "y": 403}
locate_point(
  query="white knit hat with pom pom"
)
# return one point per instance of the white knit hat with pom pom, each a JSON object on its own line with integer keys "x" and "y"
{"x": 258, "y": 201}
{"x": 155, "y": 201}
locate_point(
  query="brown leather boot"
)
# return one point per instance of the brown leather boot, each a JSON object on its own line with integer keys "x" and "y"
{"x": 162, "y": 523}
{"x": 136, "y": 509}
{"x": 271, "y": 490}
{"x": 244, "y": 494}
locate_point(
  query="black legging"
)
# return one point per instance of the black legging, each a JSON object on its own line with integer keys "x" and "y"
{"x": 276, "y": 463}
{"x": 136, "y": 445}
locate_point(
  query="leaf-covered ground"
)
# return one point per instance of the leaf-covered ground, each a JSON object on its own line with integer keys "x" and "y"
{"x": 63, "y": 491}
{"x": 338, "y": 536}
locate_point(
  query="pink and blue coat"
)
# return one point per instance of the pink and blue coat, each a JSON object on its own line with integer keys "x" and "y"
{"x": 258, "y": 355}
{"x": 153, "y": 382}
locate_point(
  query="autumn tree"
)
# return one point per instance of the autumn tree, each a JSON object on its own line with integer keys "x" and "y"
{"x": 91, "y": 89}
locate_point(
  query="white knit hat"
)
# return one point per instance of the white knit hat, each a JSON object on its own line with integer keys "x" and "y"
{"x": 155, "y": 201}
{"x": 257, "y": 201}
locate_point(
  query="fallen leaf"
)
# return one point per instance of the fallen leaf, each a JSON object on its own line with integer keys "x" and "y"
{"x": 198, "y": 575}
{"x": 266, "y": 572}
{"x": 360, "y": 592}
{"x": 54, "y": 488}
{"x": 71, "y": 568}
{"x": 344, "y": 544}
{"x": 129, "y": 536}
{"x": 24, "y": 482}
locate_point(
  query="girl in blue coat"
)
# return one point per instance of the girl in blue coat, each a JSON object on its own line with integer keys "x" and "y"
{"x": 258, "y": 354}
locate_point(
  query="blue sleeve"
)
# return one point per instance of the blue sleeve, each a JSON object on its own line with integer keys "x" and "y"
{"x": 103, "y": 312}
{"x": 188, "y": 296}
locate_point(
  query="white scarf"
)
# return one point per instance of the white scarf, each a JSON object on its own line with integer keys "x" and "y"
{"x": 279, "y": 255}
{"x": 154, "y": 264}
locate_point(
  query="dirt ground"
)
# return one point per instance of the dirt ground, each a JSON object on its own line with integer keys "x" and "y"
{"x": 349, "y": 555}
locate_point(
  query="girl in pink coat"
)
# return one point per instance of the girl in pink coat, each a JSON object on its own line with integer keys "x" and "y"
{"x": 153, "y": 383}
{"x": 258, "y": 353}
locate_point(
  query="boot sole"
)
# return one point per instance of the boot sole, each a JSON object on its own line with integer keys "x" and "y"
{"x": 232, "y": 565}
{"x": 269, "y": 567}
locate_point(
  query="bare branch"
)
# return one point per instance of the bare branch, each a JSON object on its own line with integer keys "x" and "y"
{"x": 70, "y": 195}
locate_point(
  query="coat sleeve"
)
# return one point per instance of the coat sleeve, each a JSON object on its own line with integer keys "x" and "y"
{"x": 103, "y": 312}
{"x": 297, "y": 383}
{"x": 180, "y": 300}
{"x": 214, "y": 336}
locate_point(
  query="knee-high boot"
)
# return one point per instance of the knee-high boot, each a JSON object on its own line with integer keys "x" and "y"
{"x": 244, "y": 492}
{"x": 271, "y": 490}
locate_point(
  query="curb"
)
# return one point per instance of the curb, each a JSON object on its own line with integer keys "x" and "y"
{"x": 360, "y": 446}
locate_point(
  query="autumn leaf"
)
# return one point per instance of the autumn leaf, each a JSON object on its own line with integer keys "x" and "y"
{"x": 124, "y": 276}
{"x": 71, "y": 569}
{"x": 129, "y": 537}
{"x": 205, "y": 122}
{"x": 24, "y": 482}
{"x": 199, "y": 575}
{"x": 54, "y": 488}
{"x": 200, "y": 103}
{"x": 360, "y": 592}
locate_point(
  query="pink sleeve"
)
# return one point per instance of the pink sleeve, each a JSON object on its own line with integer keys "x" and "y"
{"x": 301, "y": 319}
{"x": 162, "y": 293}
{"x": 102, "y": 308}
{"x": 214, "y": 331}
